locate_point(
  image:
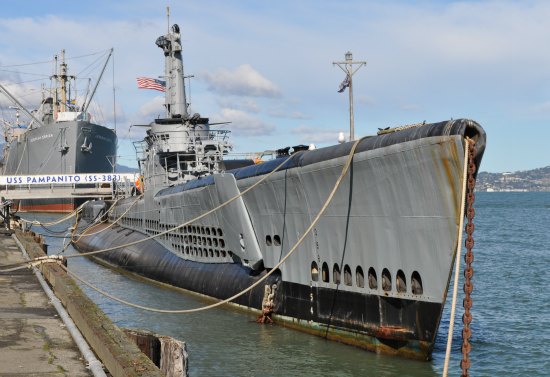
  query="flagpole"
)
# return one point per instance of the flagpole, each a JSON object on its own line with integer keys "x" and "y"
{"x": 351, "y": 120}
{"x": 347, "y": 67}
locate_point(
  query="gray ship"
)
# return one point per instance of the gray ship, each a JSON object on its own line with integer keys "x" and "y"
{"x": 374, "y": 270}
{"x": 59, "y": 139}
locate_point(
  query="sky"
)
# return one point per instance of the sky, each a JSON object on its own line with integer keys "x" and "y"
{"x": 267, "y": 67}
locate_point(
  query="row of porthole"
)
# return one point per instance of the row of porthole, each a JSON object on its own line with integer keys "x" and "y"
{"x": 203, "y": 252}
{"x": 207, "y": 241}
{"x": 400, "y": 286}
{"x": 188, "y": 229}
{"x": 131, "y": 221}
{"x": 203, "y": 230}
{"x": 196, "y": 241}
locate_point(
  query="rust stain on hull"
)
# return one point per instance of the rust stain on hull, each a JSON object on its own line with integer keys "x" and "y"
{"x": 392, "y": 341}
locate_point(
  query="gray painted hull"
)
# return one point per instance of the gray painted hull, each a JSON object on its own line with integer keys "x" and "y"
{"x": 41, "y": 151}
{"x": 395, "y": 217}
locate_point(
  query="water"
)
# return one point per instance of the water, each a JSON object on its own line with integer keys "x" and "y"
{"x": 511, "y": 325}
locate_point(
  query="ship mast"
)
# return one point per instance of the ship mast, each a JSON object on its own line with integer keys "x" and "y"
{"x": 62, "y": 79}
{"x": 175, "y": 101}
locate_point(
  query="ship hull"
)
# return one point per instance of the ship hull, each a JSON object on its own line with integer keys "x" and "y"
{"x": 391, "y": 228}
{"x": 57, "y": 148}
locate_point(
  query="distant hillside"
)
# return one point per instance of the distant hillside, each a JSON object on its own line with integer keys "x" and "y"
{"x": 125, "y": 169}
{"x": 528, "y": 180}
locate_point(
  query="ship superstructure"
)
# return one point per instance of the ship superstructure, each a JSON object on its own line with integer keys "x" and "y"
{"x": 60, "y": 138}
{"x": 373, "y": 272}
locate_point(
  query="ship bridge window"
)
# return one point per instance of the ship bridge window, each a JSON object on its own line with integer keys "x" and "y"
{"x": 373, "y": 279}
{"x": 359, "y": 277}
{"x": 324, "y": 272}
{"x": 386, "y": 280}
{"x": 347, "y": 275}
{"x": 314, "y": 271}
{"x": 336, "y": 274}
{"x": 416, "y": 283}
{"x": 401, "y": 282}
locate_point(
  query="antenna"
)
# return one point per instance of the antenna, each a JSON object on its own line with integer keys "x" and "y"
{"x": 168, "y": 19}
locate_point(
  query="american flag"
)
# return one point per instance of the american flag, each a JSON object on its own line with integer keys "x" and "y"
{"x": 149, "y": 83}
{"x": 344, "y": 84}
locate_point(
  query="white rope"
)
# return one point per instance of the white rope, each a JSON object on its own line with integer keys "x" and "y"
{"x": 275, "y": 268}
{"x": 156, "y": 235}
{"x": 188, "y": 222}
{"x": 457, "y": 261}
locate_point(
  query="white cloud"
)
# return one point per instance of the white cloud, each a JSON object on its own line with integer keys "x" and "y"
{"x": 245, "y": 104}
{"x": 543, "y": 107}
{"x": 243, "y": 81}
{"x": 410, "y": 107}
{"x": 280, "y": 113}
{"x": 310, "y": 134}
{"x": 243, "y": 123}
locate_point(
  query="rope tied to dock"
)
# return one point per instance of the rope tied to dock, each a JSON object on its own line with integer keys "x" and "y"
{"x": 314, "y": 222}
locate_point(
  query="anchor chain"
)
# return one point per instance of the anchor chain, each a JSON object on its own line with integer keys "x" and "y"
{"x": 468, "y": 258}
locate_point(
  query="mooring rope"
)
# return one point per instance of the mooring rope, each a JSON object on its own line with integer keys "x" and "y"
{"x": 84, "y": 234}
{"x": 457, "y": 260}
{"x": 25, "y": 264}
{"x": 190, "y": 221}
{"x": 259, "y": 281}
{"x": 58, "y": 221}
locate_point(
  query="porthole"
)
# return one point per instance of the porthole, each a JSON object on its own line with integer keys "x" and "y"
{"x": 207, "y": 229}
{"x": 276, "y": 240}
{"x": 386, "y": 280}
{"x": 359, "y": 277}
{"x": 217, "y": 253}
{"x": 220, "y": 233}
{"x": 222, "y": 243}
{"x": 336, "y": 274}
{"x": 209, "y": 241}
{"x": 215, "y": 242}
{"x": 211, "y": 252}
{"x": 223, "y": 253}
{"x": 202, "y": 230}
{"x": 416, "y": 284}
{"x": 401, "y": 282}
{"x": 314, "y": 271}
{"x": 268, "y": 240}
{"x": 347, "y": 275}
{"x": 230, "y": 254}
{"x": 373, "y": 279}
{"x": 324, "y": 272}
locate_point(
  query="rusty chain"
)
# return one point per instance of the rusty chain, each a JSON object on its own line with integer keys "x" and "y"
{"x": 468, "y": 258}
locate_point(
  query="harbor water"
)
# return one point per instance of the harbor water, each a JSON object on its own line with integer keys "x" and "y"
{"x": 511, "y": 310}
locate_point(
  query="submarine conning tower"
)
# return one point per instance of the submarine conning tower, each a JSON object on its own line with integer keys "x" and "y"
{"x": 179, "y": 147}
